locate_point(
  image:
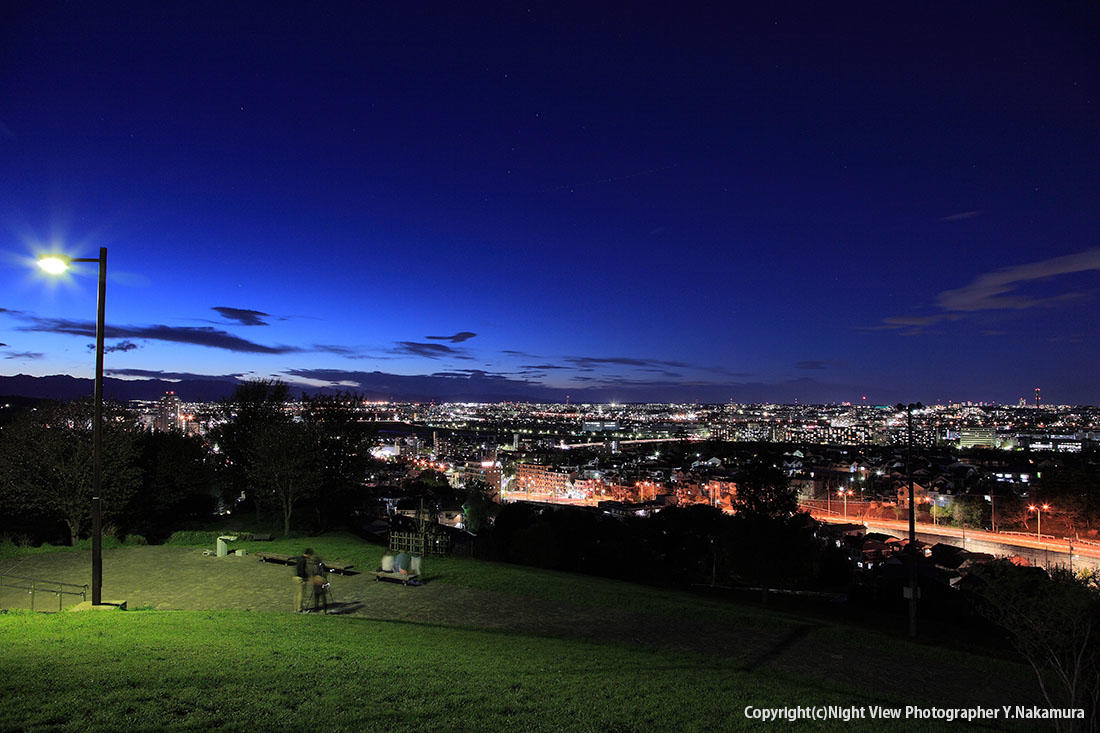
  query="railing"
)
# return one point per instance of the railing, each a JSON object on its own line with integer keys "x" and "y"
{"x": 34, "y": 586}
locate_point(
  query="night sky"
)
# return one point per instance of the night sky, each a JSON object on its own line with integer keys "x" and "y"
{"x": 615, "y": 202}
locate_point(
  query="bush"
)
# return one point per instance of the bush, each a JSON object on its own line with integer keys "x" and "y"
{"x": 193, "y": 538}
{"x": 201, "y": 538}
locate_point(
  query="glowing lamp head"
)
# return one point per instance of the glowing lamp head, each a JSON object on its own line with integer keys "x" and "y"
{"x": 1031, "y": 508}
{"x": 54, "y": 264}
{"x": 1046, "y": 507}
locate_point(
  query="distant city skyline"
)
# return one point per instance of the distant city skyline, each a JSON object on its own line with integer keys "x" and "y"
{"x": 756, "y": 205}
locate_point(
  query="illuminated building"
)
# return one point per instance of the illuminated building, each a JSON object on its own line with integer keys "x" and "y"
{"x": 541, "y": 480}
{"x": 168, "y": 413}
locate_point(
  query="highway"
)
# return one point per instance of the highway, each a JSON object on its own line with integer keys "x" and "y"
{"x": 1045, "y": 552}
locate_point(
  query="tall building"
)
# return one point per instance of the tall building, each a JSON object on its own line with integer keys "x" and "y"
{"x": 168, "y": 413}
{"x": 1037, "y": 398}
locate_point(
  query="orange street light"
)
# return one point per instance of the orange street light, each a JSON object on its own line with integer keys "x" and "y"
{"x": 1039, "y": 517}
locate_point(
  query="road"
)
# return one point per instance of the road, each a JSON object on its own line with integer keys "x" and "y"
{"x": 1046, "y": 552}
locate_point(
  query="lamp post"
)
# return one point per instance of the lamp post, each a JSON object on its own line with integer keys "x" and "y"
{"x": 1039, "y": 516}
{"x": 55, "y": 265}
{"x": 844, "y": 493}
{"x": 912, "y": 548}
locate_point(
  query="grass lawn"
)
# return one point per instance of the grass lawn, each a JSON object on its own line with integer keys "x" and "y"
{"x": 265, "y": 671}
{"x": 205, "y": 670}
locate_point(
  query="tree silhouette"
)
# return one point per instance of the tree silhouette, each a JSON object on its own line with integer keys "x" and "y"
{"x": 282, "y": 466}
{"x": 46, "y": 463}
{"x": 763, "y": 490}
{"x": 1054, "y": 623}
{"x": 342, "y": 440}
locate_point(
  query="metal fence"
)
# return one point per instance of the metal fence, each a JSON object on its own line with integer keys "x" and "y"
{"x": 36, "y": 586}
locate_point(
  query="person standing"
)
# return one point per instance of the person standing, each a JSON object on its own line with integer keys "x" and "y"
{"x": 302, "y": 579}
{"x": 318, "y": 583}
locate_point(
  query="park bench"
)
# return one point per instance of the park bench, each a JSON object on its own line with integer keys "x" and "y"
{"x": 396, "y": 577}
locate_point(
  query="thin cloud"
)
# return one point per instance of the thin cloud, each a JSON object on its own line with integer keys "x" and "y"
{"x": 592, "y": 361}
{"x": 991, "y": 291}
{"x": 911, "y": 325}
{"x": 963, "y": 215}
{"x": 173, "y": 376}
{"x": 542, "y": 366}
{"x": 430, "y": 351}
{"x": 120, "y": 346}
{"x": 456, "y": 339}
{"x": 195, "y": 335}
{"x": 24, "y": 355}
{"x": 334, "y": 349}
{"x": 243, "y": 316}
{"x": 997, "y": 290}
{"x": 812, "y": 364}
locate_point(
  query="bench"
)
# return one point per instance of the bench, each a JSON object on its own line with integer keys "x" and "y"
{"x": 275, "y": 557}
{"x": 396, "y": 577}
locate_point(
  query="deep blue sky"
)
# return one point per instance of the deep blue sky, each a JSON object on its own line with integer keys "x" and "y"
{"x": 770, "y": 203}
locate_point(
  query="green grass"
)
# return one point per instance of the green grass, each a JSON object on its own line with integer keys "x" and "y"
{"x": 569, "y": 588}
{"x": 273, "y": 671}
{"x": 232, "y": 670}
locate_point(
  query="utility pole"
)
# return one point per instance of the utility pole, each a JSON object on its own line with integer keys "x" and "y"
{"x": 912, "y": 549}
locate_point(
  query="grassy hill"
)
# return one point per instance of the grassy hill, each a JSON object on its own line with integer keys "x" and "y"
{"x": 490, "y": 646}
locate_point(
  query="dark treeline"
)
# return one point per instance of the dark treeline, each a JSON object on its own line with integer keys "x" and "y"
{"x": 291, "y": 470}
{"x": 152, "y": 482}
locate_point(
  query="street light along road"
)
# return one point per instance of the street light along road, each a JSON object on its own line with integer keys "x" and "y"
{"x": 56, "y": 264}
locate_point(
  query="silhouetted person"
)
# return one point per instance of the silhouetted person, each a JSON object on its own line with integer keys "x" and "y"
{"x": 302, "y": 578}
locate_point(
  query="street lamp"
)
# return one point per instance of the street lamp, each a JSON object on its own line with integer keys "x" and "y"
{"x": 55, "y": 265}
{"x": 844, "y": 493}
{"x": 912, "y": 548}
{"x": 1039, "y": 516}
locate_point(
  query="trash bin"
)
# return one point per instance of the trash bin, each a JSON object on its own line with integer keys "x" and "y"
{"x": 223, "y": 548}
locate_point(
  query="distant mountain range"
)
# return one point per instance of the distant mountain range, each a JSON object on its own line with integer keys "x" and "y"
{"x": 439, "y": 387}
{"x": 64, "y": 387}
{"x": 392, "y": 387}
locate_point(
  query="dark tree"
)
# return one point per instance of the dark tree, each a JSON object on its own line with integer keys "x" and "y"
{"x": 478, "y": 508}
{"x": 343, "y": 445}
{"x": 1053, "y": 621}
{"x": 178, "y": 483}
{"x": 282, "y": 465}
{"x": 46, "y": 464}
{"x": 252, "y": 404}
{"x": 763, "y": 490}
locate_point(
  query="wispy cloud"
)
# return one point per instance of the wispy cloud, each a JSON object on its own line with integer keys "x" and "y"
{"x": 430, "y": 351}
{"x": 963, "y": 215}
{"x": 173, "y": 376}
{"x": 112, "y": 348}
{"x": 456, "y": 339}
{"x": 991, "y": 290}
{"x": 998, "y": 290}
{"x": 23, "y": 355}
{"x": 812, "y": 364}
{"x": 198, "y": 336}
{"x": 334, "y": 349}
{"x": 243, "y": 316}
{"x": 593, "y": 361}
